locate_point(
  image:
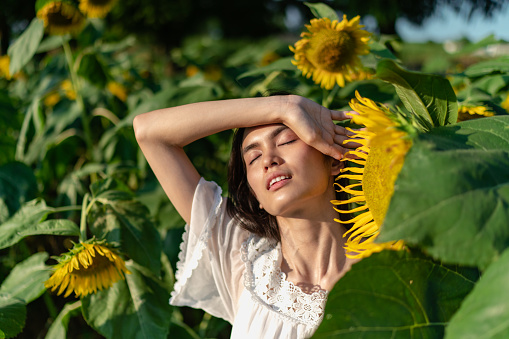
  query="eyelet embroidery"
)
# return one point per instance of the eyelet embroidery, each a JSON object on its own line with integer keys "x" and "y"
{"x": 264, "y": 279}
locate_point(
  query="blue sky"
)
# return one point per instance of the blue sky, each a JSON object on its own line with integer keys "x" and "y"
{"x": 452, "y": 26}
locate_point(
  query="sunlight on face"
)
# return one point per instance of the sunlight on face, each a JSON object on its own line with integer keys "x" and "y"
{"x": 287, "y": 176}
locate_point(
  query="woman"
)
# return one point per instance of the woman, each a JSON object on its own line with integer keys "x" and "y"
{"x": 266, "y": 262}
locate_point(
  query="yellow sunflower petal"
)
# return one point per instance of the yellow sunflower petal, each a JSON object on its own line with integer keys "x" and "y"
{"x": 96, "y": 8}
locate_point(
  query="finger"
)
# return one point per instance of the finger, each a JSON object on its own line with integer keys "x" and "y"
{"x": 333, "y": 150}
{"x": 342, "y": 115}
{"x": 346, "y": 142}
{"x": 344, "y": 131}
{"x": 340, "y": 150}
{"x": 350, "y": 155}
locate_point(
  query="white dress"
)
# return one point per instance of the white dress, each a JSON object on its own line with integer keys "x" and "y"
{"x": 235, "y": 275}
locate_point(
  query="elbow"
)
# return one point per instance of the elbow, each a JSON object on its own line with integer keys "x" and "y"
{"x": 139, "y": 128}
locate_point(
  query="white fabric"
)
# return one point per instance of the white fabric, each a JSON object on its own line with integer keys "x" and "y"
{"x": 235, "y": 275}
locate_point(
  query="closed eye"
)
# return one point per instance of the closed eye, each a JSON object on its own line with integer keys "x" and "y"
{"x": 287, "y": 142}
{"x": 253, "y": 160}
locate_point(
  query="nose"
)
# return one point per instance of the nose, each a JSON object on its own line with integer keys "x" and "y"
{"x": 270, "y": 160}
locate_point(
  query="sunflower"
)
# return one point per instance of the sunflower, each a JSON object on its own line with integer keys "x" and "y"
{"x": 68, "y": 89}
{"x": 88, "y": 267}
{"x": 61, "y": 17}
{"x": 384, "y": 144}
{"x": 191, "y": 70}
{"x": 52, "y": 99}
{"x": 473, "y": 112}
{"x": 269, "y": 58}
{"x": 505, "y": 103}
{"x": 96, "y": 8}
{"x": 4, "y": 67}
{"x": 330, "y": 51}
{"x": 117, "y": 90}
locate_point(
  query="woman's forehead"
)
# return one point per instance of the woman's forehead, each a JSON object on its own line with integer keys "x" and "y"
{"x": 251, "y": 133}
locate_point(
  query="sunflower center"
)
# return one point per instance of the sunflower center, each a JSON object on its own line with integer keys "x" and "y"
{"x": 380, "y": 173}
{"x": 331, "y": 50}
{"x": 99, "y": 2}
{"x": 57, "y": 19}
{"x": 99, "y": 264}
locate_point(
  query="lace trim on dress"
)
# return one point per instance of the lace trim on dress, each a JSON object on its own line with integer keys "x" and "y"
{"x": 269, "y": 287}
{"x": 186, "y": 266}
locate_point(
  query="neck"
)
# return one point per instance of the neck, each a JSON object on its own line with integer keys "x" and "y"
{"x": 313, "y": 253}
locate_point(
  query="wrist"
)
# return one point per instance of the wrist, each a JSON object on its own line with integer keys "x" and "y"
{"x": 289, "y": 109}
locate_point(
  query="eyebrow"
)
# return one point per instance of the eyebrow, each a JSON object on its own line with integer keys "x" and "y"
{"x": 274, "y": 134}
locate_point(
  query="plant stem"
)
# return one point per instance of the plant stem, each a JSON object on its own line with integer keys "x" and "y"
{"x": 85, "y": 121}
{"x": 50, "y": 305}
{"x": 328, "y": 96}
{"x": 83, "y": 221}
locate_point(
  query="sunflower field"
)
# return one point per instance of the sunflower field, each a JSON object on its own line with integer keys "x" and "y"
{"x": 89, "y": 242}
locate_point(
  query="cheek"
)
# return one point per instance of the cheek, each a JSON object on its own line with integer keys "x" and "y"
{"x": 255, "y": 182}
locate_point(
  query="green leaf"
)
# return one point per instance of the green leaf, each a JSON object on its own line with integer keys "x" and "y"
{"x": 429, "y": 96}
{"x": 485, "y": 312}
{"x": 58, "y": 329}
{"x": 29, "y": 221}
{"x": 54, "y": 227}
{"x": 24, "y": 48}
{"x": 119, "y": 218}
{"x": 135, "y": 308}
{"x": 13, "y": 313}
{"x": 395, "y": 295}
{"x": 180, "y": 330}
{"x": 26, "y": 280}
{"x": 492, "y": 84}
{"x": 24, "y": 220}
{"x": 452, "y": 194}
{"x": 377, "y": 48}
{"x": 283, "y": 64}
{"x": 52, "y": 42}
{"x": 471, "y": 48}
{"x": 499, "y": 65}
{"x": 321, "y": 10}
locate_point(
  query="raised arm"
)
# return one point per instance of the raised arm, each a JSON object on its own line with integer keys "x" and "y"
{"x": 163, "y": 133}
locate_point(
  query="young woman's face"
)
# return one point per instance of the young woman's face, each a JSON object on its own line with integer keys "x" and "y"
{"x": 287, "y": 175}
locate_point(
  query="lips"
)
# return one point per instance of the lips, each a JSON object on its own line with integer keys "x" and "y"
{"x": 275, "y": 179}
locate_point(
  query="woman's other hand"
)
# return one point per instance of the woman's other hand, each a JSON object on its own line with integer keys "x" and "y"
{"x": 314, "y": 124}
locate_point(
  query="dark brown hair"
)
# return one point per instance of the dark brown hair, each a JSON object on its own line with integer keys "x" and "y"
{"x": 242, "y": 204}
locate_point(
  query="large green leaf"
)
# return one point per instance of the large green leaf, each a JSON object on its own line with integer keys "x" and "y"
{"x": 452, "y": 194}
{"x": 13, "y": 313}
{"x": 135, "y": 308}
{"x": 58, "y": 329}
{"x": 180, "y": 330}
{"x": 395, "y": 295}
{"x": 499, "y": 65}
{"x": 17, "y": 186}
{"x": 24, "y": 48}
{"x": 484, "y": 313}
{"x": 492, "y": 84}
{"x": 119, "y": 218}
{"x": 26, "y": 280}
{"x": 29, "y": 220}
{"x": 429, "y": 96}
